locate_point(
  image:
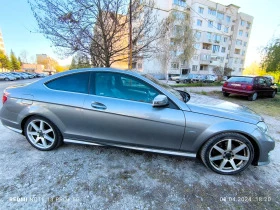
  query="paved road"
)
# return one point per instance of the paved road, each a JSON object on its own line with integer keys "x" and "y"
{"x": 88, "y": 177}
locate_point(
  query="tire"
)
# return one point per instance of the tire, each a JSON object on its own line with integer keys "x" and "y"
{"x": 42, "y": 133}
{"x": 177, "y": 81}
{"x": 273, "y": 94}
{"x": 253, "y": 97}
{"x": 6, "y": 79}
{"x": 227, "y": 154}
{"x": 225, "y": 94}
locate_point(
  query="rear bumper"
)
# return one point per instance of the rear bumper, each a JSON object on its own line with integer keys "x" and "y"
{"x": 238, "y": 92}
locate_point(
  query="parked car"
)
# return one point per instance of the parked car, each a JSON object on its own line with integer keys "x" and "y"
{"x": 182, "y": 78}
{"x": 29, "y": 76}
{"x": 16, "y": 75}
{"x": 208, "y": 78}
{"x": 249, "y": 86}
{"x": 110, "y": 107}
{"x": 174, "y": 77}
{"x": 7, "y": 77}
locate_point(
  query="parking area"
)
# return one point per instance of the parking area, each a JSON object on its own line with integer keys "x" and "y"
{"x": 90, "y": 177}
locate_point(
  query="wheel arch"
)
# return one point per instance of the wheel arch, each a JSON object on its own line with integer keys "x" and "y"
{"x": 249, "y": 137}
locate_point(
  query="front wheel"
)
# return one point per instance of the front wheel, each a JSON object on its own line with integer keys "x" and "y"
{"x": 228, "y": 153}
{"x": 273, "y": 94}
{"x": 42, "y": 133}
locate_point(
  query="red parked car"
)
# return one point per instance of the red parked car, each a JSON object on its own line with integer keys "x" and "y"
{"x": 250, "y": 86}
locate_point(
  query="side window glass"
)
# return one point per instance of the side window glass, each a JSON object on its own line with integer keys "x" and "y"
{"x": 77, "y": 83}
{"x": 122, "y": 86}
{"x": 261, "y": 81}
{"x": 268, "y": 82}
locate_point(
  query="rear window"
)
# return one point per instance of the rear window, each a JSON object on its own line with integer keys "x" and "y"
{"x": 241, "y": 79}
{"x": 77, "y": 83}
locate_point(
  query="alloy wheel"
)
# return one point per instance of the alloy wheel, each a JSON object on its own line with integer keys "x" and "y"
{"x": 229, "y": 155}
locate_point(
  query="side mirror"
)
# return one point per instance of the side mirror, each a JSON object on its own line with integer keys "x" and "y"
{"x": 160, "y": 100}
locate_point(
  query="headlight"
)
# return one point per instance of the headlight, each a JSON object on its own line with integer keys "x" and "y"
{"x": 263, "y": 127}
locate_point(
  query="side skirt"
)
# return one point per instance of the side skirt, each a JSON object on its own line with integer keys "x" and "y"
{"x": 169, "y": 152}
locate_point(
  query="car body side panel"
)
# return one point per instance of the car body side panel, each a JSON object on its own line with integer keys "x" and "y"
{"x": 136, "y": 123}
{"x": 199, "y": 129}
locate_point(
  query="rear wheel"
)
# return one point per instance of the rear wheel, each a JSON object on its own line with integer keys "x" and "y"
{"x": 225, "y": 94}
{"x": 228, "y": 153}
{"x": 253, "y": 97}
{"x": 6, "y": 79}
{"x": 42, "y": 133}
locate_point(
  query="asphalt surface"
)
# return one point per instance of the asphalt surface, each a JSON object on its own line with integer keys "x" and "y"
{"x": 89, "y": 177}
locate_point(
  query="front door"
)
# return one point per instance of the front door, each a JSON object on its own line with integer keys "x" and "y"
{"x": 119, "y": 111}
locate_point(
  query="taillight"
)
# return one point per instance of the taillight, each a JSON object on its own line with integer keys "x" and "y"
{"x": 225, "y": 84}
{"x": 249, "y": 87}
{"x": 4, "y": 98}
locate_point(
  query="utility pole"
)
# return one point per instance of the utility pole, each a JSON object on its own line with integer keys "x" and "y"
{"x": 130, "y": 37}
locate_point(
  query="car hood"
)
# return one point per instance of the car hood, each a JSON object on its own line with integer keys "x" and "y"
{"x": 225, "y": 109}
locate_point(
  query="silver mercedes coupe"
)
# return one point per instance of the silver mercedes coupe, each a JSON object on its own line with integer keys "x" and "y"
{"x": 110, "y": 107}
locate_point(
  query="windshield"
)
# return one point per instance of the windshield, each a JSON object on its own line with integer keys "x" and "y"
{"x": 166, "y": 87}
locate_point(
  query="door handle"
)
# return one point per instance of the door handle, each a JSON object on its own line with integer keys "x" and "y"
{"x": 98, "y": 105}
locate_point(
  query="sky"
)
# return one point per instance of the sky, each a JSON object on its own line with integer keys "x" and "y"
{"x": 19, "y": 27}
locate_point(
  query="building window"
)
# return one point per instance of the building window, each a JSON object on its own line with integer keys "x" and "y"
{"x": 223, "y": 49}
{"x": 219, "y": 26}
{"x": 241, "y": 61}
{"x": 198, "y": 35}
{"x": 210, "y": 23}
{"x": 200, "y": 10}
{"x": 228, "y": 19}
{"x": 238, "y": 42}
{"x": 243, "y": 52}
{"x": 240, "y": 32}
{"x": 225, "y": 39}
{"x": 226, "y": 29}
{"x": 194, "y": 67}
{"x": 215, "y": 48}
{"x": 205, "y": 57}
{"x": 248, "y": 25}
{"x": 237, "y": 51}
{"x": 199, "y": 22}
{"x": 242, "y": 22}
{"x": 220, "y": 15}
{"x": 209, "y": 35}
{"x": 222, "y": 59}
{"x": 195, "y": 57}
{"x": 217, "y": 38}
{"x": 245, "y": 44}
{"x": 197, "y": 46}
{"x": 240, "y": 69}
{"x": 174, "y": 65}
{"x": 206, "y": 46}
{"x": 247, "y": 34}
{"x": 229, "y": 47}
{"x": 139, "y": 65}
{"x": 211, "y": 11}
{"x": 181, "y": 3}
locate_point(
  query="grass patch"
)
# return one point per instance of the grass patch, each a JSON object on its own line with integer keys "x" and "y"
{"x": 263, "y": 105}
{"x": 198, "y": 84}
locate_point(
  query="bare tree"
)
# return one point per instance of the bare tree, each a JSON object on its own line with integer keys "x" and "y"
{"x": 177, "y": 41}
{"x": 97, "y": 28}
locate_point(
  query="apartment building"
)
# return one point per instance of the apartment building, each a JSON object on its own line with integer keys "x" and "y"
{"x": 2, "y": 47}
{"x": 221, "y": 38}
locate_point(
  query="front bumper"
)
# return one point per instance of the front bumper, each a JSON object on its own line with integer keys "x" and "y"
{"x": 265, "y": 145}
